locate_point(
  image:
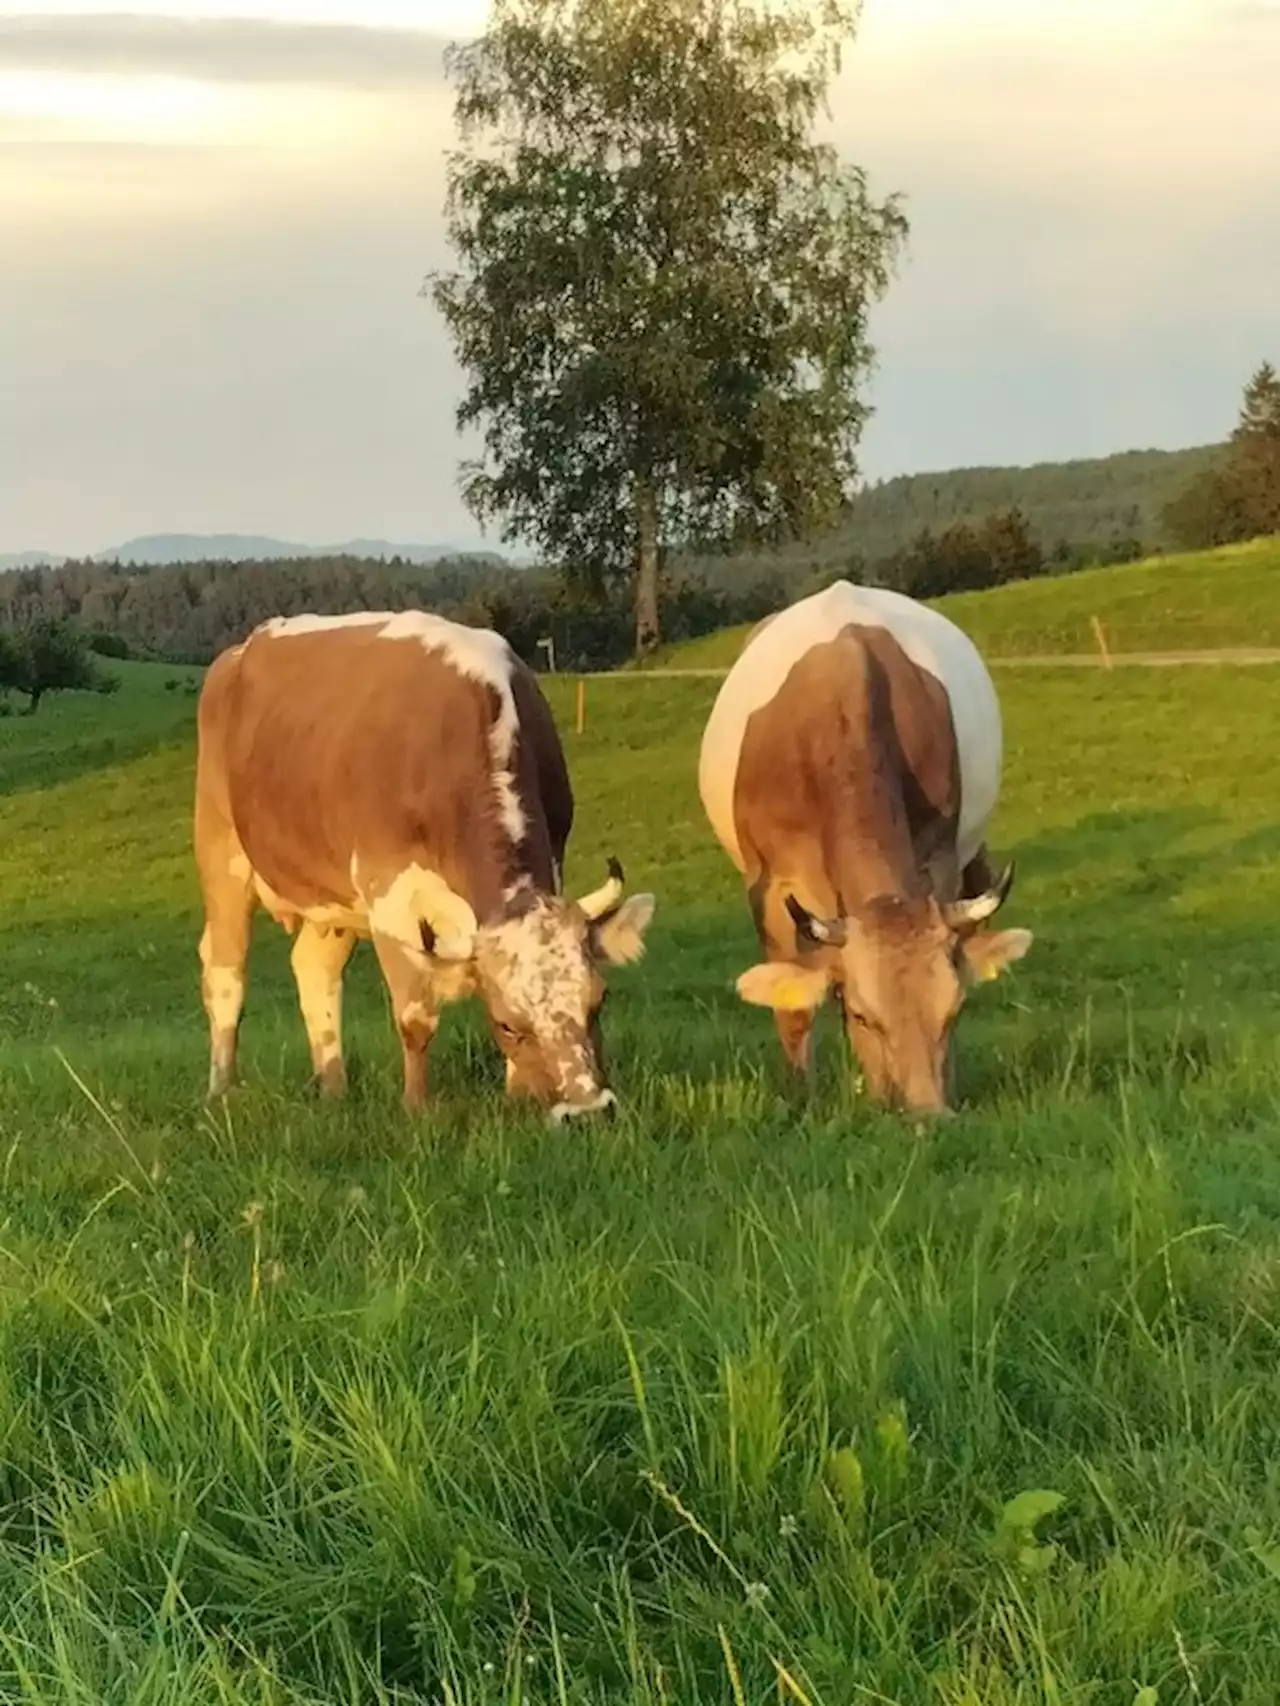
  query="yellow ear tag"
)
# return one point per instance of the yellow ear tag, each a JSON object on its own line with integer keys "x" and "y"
{"x": 790, "y": 993}
{"x": 990, "y": 972}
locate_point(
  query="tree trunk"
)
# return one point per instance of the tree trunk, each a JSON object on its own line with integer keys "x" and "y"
{"x": 647, "y": 626}
{"x": 35, "y": 699}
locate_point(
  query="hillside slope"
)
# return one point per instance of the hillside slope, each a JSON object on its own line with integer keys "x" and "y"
{"x": 1066, "y": 503}
{"x": 1200, "y": 601}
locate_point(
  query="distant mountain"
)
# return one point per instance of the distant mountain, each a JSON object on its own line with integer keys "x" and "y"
{"x": 253, "y": 548}
{"x": 27, "y": 559}
{"x": 161, "y": 548}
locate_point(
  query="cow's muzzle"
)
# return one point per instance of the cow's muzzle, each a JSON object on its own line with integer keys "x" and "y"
{"x": 604, "y": 1103}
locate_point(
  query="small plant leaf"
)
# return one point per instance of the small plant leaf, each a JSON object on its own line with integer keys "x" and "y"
{"x": 464, "y": 1577}
{"x": 1266, "y": 1553}
{"x": 891, "y": 1436}
{"x": 1021, "y": 1515}
{"x": 1036, "y": 1560}
{"x": 844, "y": 1469}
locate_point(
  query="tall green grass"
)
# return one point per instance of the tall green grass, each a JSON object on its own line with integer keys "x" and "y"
{"x": 1202, "y": 601}
{"x": 745, "y": 1397}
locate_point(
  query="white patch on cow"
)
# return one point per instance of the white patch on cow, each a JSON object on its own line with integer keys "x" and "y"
{"x": 224, "y": 996}
{"x": 931, "y": 642}
{"x": 239, "y": 867}
{"x": 544, "y": 976}
{"x": 416, "y": 1013}
{"x": 570, "y": 1110}
{"x": 479, "y": 654}
{"x": 557, "y": 877}
{"x": 285, "y": 627}
{"x": 318, "y": 959}
{"x": 418, "y": 894}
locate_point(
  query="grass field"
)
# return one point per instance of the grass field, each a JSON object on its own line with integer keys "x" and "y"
{"x": 740, "y": 1399}
{"x": 1200, "y": 602}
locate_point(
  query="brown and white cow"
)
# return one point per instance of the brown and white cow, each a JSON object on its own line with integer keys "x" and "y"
{"x": 849, "y": 768}
{"x": 399, "y": 777}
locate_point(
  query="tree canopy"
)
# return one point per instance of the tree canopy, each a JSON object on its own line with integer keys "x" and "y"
{"x": 47, "y": 656}
{"x": 1240, "y": 498}
{"x": 663, "y": 279}
{"x": 187, "y": 612}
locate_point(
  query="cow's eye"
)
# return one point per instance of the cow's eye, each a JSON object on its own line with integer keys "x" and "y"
{"x": 508, "y": 1031}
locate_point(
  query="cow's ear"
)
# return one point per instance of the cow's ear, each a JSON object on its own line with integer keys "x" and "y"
{"x": 619, "y": 938}
{"x": 784, "y": 986}
{"x": 449, "y": 948}
{"x": 991, "y": 952}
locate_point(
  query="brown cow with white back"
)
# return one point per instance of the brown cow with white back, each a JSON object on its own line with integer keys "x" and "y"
{"x": 399, "y": 777}
{"x": 849, "y": 768}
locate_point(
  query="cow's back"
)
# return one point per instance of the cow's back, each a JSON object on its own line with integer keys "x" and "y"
{"x": 350, "y": 746}
{"x": 927, "y": 638}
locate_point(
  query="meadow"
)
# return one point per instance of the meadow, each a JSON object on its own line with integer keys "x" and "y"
{"x": 1199, "y": 601}
{"x": 744, "y": 1397}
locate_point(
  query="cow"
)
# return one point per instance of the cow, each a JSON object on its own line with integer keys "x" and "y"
{"x": 399, "y": 777}
{"x": 849, "y": 768}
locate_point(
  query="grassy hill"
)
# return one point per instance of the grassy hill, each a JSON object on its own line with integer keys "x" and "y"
{"x": 304, "y": 1405}
{"x": 1196, "y": 602}
{"x": 1087, "y": 502}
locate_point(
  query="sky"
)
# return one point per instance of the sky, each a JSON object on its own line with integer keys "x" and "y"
{"x": 215, "y": 220}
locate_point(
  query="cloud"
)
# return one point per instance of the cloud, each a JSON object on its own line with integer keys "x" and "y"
{"x": 1250, "y": 12}
{"x": 1070, "y": 123}
{"x": 231, "y": 338}
{"x": 224, "y": 50}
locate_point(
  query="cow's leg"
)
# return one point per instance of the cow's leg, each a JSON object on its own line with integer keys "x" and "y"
{"x": 775, "y": 928}
{"x": 417, "y": 1020}
{"x": 319, "y": 959}
{"x": 777, "y": 933}
{"x": 224, "y": 949}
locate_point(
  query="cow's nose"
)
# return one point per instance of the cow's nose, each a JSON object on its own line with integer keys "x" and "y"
{"x": 605, "y": 1103}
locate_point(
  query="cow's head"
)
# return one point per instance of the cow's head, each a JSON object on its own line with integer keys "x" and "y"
{"x": 901, "y": 969}
{"x": 537, "y": 968}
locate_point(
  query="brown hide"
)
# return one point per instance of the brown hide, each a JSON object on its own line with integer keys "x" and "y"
{"x": 848, "y": 783}
{"x": 348, "y": 781}
{"x": 847, "y": 801}
{"x": 340, "y": 742}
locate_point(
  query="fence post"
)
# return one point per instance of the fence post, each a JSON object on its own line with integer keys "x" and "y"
{"x": 582, "y": 705}
{"x": 1100, "y": 635}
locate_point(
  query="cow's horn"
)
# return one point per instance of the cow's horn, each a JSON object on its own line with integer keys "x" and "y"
{"x": 810, "y": 928}
{"x": 605, "y": 898}
{"x": 983, "y": 906}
